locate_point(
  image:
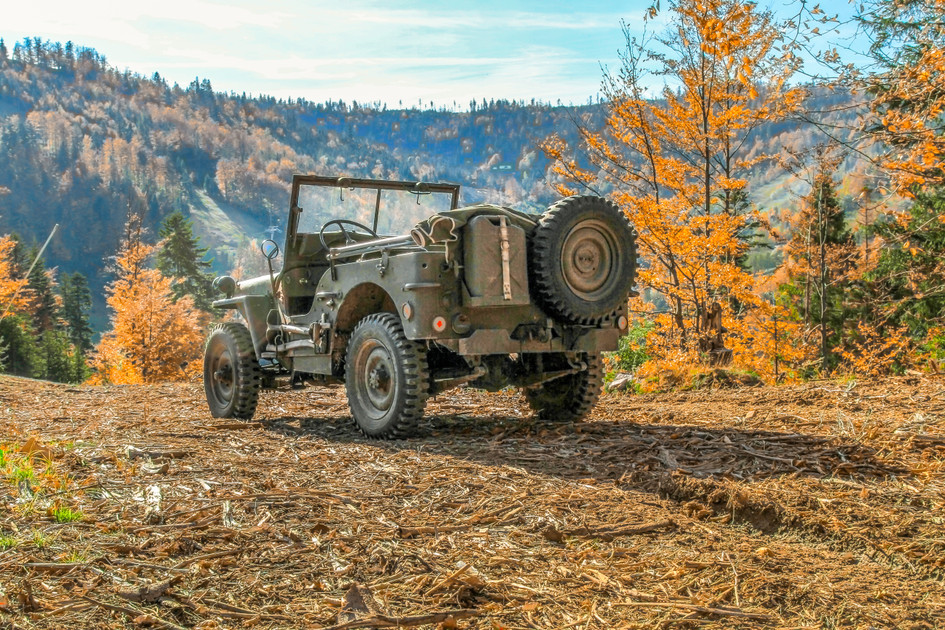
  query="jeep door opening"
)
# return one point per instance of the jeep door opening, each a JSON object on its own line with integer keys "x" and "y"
{"x": 393, "y": 289}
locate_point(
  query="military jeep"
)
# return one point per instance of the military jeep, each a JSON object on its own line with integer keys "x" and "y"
{"x": 392, "y": 288}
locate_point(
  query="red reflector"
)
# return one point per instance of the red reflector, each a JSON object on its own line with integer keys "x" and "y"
{"x": 439, "y": 324}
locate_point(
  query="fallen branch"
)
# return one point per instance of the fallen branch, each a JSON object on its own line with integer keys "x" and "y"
{"x": 234, "y": 425}
{"x": 149, "y": 594}
{"x": 137, "y": 453}
{"x": 236, "y": 612}
{"x": 207, "y": 556}
{"x": 66, "y": 607}
{"x": 135, "y": 614}
{"x": 606, "y": 534}
{"x": 413, "y": 532}
{"x": 383, "y": 621}
{"x": 54, "y": 567}
{"x": 721, "y": 612}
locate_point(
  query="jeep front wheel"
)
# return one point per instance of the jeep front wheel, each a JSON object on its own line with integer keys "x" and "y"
{"x": 386, "y": 377}
{"x": 231, "y": 375}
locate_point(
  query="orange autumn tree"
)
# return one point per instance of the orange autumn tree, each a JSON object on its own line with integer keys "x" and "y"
{"x": 677, "y": 164}
{"x": 152, "y": 337}
{"x": 10, "y": 285}
{"x": 909, "y": 89}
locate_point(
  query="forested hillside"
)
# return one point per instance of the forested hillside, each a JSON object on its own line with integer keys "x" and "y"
{"x": 84, "y": 144}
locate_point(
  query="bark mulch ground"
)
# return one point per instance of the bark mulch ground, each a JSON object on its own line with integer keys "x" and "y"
{"x": 815, "y": 506}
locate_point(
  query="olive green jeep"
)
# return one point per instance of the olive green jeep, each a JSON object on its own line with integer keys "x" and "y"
{"x": 392, "y": 288}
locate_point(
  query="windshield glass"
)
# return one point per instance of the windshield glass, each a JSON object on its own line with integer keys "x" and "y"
{"x": 387, "y": 212}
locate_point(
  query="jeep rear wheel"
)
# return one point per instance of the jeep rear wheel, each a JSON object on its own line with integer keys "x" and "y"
{"x": 386, "y": 377}
{"x": 583, "y": 259}
{"x": 569, "y": 398}
{"x": 231, "y": 375}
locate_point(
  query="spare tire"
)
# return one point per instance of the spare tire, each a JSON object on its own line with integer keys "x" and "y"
{"x": 583, "y": 259}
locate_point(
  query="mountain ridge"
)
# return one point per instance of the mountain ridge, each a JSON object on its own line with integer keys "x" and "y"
{"x": 84, "y": 144}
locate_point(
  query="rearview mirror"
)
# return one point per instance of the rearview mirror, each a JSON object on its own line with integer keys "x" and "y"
{"x": 269, "y": 249}
{"x": 420, "y": 188}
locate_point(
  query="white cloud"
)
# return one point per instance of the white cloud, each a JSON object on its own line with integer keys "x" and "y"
{"x": 329, "y": 51}
{"x": 439, "y": 19}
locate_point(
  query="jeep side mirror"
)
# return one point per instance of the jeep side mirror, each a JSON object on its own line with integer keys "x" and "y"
{"x": 269, "y": 249}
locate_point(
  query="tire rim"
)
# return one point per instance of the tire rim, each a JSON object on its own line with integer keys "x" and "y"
{"x": 375, "y": 373}
{"x": 222, "y": 374}
{"x": 590, "y": 258}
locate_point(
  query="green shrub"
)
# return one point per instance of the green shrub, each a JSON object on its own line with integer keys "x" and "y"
{"x": 631, "y": 349}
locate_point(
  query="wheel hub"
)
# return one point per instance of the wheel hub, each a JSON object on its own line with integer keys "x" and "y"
{"x": 377, "y": 384}
{"x": 586, "y": 258}
{"x": 589, "y": 259}
{"x": 379, "y": 378}
{"x": 223, "y": 376}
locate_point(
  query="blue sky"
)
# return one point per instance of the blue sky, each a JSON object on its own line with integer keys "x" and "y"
{"x": 364, "y": 50}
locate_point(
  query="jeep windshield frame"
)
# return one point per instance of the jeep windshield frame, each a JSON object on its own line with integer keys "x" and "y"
{"x": 388, "y": 207}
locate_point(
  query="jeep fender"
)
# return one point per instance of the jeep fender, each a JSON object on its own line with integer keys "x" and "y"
{"x": 361, "y": 301}
{"x": 254, "y": 309}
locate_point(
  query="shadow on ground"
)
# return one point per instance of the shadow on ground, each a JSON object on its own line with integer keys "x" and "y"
{"x": 716, "y": 469}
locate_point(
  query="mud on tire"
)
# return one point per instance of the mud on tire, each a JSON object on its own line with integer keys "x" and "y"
{"x": 231, "y": 374}
{"x": 569, "y": 398}
{"x": 386, "y": 377}
{"x": 583, "y": 259}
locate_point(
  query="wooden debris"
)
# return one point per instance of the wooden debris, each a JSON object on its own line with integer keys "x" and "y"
{"x": 702, "y": 610}
{"x": 606, "y": 533}
{"x": 358, "y": 603}
{"x": 383, "y": 621}
{"x": 137, "y": 615}
{"x": 148, "y": 594}
{"x": 794, "y": 506}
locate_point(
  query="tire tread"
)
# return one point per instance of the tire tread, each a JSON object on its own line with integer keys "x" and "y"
{"x": 416, "y": 377}
{"x": 248, "y": 372}
{"x": 545, "y": 256}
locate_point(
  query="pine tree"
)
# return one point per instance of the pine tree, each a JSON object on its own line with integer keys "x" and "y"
{"x": 3, "y": 53}
{"x": 76, "y": 302}
{"x": 180, "y": 257}
{"x": 43, "y": 304}
{"x": 820, "y": 259}
{"x": 80, "y": 368}
{"x": 906, "y": 289}
{"x": 56, "y": 354}
{"x": 18, "y": 346}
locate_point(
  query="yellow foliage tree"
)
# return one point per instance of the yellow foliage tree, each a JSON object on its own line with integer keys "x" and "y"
{"x": 9, "y": 284}
{"x": 677, "y": 164}
{"x": 153, "y": 338}
{"x": 909, "y": 91}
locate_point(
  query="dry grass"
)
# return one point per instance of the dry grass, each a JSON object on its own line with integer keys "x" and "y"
{"x": 814, "y": 506}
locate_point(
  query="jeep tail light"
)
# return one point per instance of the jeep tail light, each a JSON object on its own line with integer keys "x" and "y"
{"x": 439, "y": 323}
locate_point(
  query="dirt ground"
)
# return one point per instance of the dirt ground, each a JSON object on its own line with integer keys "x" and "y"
{"x": 814, "y": 506}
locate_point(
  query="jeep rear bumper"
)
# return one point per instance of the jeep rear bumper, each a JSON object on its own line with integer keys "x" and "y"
{"x": 498, "y": 341}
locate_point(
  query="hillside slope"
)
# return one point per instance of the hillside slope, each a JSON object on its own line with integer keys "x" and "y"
{"x": 84, "y": 144}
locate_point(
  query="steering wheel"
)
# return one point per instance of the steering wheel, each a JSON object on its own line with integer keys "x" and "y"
{"x": 341, "y": 223}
